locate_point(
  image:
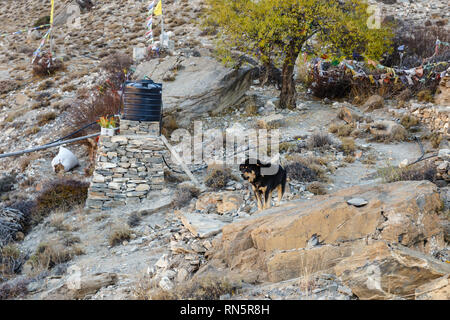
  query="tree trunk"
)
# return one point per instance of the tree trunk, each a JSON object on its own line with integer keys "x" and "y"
{"x": 288, "y": 93}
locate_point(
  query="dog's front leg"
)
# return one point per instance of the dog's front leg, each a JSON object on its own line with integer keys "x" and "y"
{"x": 258, "y": 198}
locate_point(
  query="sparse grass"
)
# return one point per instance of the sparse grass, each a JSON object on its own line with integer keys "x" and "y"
{"x": 319, "y": 140}
{"x": 205, "y": 288}
{"x": 349, "y": 159}
{"x": 316, "y": 188}
{"x": 11, "y": 260}
{"x": 341, "y": 130}
{"x": 270, "y": 125}
{"x": 7, "y": 86}
{"x": 63, "y": 194}
{"x": 251, "y": 110}
{"x": 45, "y": 118}
{"x": 184, "y": 194}
{"x": 46, "y": 84}
{"x": 25, "y": 161}
{"x": 287, "y": 147}
{"x": 416, "y": 172}
{"x": 48, "y": 255}
{"x": 32, "y": 130}
{"x": 348, "y": 146}
{"x": 57, "y": 222}
{"x": 369, "y": 159}
{"x": 118, "y": 235}
{"x": 397, "y": 133}
{"x": 436, "y": 139}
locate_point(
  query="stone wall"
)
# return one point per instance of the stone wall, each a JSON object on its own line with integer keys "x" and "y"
{"x": 436, "y": 118}
{"x": 129, "y": 166}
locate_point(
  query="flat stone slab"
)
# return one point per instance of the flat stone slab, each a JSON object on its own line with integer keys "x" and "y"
{"x": 202, "y": 225}
{"x": 357, "y": 202}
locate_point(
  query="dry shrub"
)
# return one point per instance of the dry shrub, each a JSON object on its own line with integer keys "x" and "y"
{"x": 11, "y": 260}
{"x": 218, "y": 177}
{"x": 63, "y": 194}
{"x": 436, "y": 139}
{"x": 287, "y": 147}
{"x": 205, "y": 288}
{"x": 47, "y": 84}
{"x": 301, "y": 172}
{"x": 417, "y": 172}
{"x": 348, "y": 146}
{"x": 316, "y": 188}
{"x": 425, "y": 96}
{"x": 408, "y": 121}
{"x": 117, "y": 66}
{"x": 184, "y": 194}
{"x": 341, "y": 130}
{"x": 45, "y": 118}
{"x": 7, "y": 183}
{"x": 42, "y": 21}
{"x": 48, "y": 255}
{"x": 349, "y": 159}
{"x": 319, "y": 140}
{"x": 85, "y": 112}
{"x": 46, "y": 65}
{"x": 57, "y": 222}
{"x": 398, "y": 133}
{"x": 7, "y": 86}
{"x": 119, "y": 235}
{"x": 404, "y": 95}
{"x": 14, "y": 289}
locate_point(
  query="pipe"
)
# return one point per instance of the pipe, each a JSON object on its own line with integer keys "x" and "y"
{"x": 18, "y": 153}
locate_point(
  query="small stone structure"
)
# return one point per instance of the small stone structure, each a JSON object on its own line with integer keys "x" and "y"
{"x": 436, "y": 118}
{"x": 129, "y": 166}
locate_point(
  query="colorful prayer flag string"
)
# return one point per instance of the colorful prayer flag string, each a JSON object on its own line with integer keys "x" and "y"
{"x": 47, "y": 35}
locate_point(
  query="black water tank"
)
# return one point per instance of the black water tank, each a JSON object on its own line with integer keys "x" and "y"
{"x": 142, "y": 100}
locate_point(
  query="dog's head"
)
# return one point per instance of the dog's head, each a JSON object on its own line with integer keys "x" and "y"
{"x": 250, "y": 169}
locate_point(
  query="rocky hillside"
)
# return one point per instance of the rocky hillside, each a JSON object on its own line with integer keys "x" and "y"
{"x": 360, "y": 219}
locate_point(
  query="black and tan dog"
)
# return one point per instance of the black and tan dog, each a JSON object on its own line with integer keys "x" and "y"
{"x": 264, "y": 184}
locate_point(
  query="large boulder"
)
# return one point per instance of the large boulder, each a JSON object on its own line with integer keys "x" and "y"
{"x": 78, "y": 288}
{"x": 196, "y": 85}
{"x": 438, "y": 289}
{"x": 386, "y": 271}
{"x": 315, "y": 235}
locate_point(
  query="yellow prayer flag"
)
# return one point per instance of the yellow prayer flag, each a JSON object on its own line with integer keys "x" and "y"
{"x": 52, "y": 12}
{"x": 158, "y": 9}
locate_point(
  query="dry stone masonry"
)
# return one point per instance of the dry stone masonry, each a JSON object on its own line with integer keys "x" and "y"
{"x": 436, "y": 118}
{"x": 128, "y": 167}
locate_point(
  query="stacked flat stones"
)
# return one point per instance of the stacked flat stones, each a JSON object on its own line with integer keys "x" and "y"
{"x": 128, "y": 166}
{"x": 436, "y": 118}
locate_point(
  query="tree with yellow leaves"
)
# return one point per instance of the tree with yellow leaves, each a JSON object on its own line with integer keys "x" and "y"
{"x": 278, "y": 30}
